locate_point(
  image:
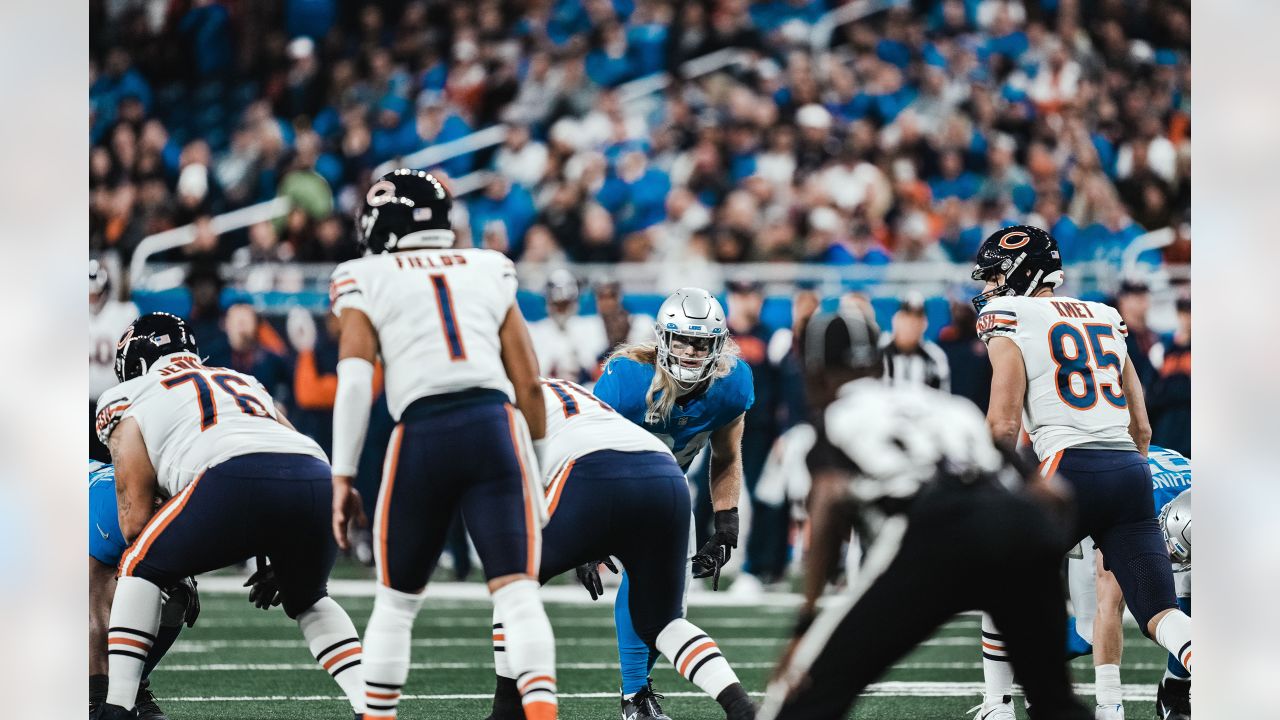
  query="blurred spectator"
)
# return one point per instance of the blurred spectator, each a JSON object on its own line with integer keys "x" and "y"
{"x": 620, "y": 326}
{"x": 966, "y": 355}
{"x": 909, "y": 358}
{"x": 1170, "y": 397}
{"x": 205, "y": 284}
{"x": 521, "y": 160}
{"x": 257, "y": 350}
{"x": 1133, "y": 301}
{"x": 505, "y": 209}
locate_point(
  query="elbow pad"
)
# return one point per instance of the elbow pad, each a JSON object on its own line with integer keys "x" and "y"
{"x": 351, "y": 413}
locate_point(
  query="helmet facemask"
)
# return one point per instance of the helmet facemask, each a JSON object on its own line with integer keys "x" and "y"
{"x": 674, "y": 350}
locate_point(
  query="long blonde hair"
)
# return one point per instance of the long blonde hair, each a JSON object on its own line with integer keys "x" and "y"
{"x": 658, "y": 406}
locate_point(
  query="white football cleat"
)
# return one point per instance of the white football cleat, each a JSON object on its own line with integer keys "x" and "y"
{"x": 746, "y": 587}
{"x": 1000, "y": 710}
{"x": 1108, "y": 712}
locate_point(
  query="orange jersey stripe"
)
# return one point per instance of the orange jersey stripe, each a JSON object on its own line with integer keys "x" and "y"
{"x": 558, "y": 485}
{"x": 688, "y": 659}
{"x": 341, "y": 656}
{"x": 531, "y": 532}
{"x": 388, "y": 484}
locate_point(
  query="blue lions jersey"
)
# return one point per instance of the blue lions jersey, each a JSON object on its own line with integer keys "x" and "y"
{"x": 623, "y": 386}
{"x": 1170, "y": 475}
{"x": 106, "y": 542}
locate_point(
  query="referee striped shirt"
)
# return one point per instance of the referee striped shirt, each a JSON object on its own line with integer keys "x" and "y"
{"x": 926, "y": 364}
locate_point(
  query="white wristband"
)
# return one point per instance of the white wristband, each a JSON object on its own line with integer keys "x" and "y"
{"x": 351, "y": 413}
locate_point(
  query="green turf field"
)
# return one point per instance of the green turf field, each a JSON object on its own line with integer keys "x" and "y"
{"x": 247, "y": 664}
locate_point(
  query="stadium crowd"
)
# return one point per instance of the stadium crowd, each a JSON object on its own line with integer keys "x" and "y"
{"x": 907, "y": 136}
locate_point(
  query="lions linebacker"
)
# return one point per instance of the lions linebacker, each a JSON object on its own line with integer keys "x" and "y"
{"x": 1060, "y": 370}
{"x": 457, "y": 355}
{"x": 689, "y": 388}
{"x": 603, "y": 471}
{"x": 240, "y": 482}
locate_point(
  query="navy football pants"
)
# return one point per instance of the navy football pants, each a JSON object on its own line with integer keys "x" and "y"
{"x": 634, "y": 506}
{"x": 274, "y": 504}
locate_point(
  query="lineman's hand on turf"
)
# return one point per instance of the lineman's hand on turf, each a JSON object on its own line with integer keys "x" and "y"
{"x": 264, "y": 591}
{"x": 348, "y": 508}
{"x": 716, "y": 551}
{"x": 589, "y": 575}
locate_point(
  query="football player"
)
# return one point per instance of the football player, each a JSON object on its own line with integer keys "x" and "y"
{"x": 603, "y": 471}
{"x": 568, "y": 345}
{"x": 690, "y": 389}
{"x": 1099, "y": 605}
{"x": 915, "y": 471}
{"x": 108, "y": 318}
{"x": 1060, "y": 371}
{"x": 457, "y": 356}
{"x": 239, "y": 482}
{"x": 106, "y": 547}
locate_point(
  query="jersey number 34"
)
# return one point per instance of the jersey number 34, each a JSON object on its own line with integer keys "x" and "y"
{"x": 1083, "y": 359}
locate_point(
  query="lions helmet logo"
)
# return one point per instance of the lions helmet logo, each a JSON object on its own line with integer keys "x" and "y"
{"x": 1014, "y": 240}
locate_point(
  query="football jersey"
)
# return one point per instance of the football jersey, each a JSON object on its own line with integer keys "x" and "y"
{"x": 625, "y": 382}
{"x": 106, "y": 541}
{"x": 1170, "y": 475}
{"x": 579, "y": 423}
{"x": 105, "y": 328}
{"x": 437, "y": 314}
{"x": 572, "y": 351}
{"x": 1074, "y": 353}
{"x": 193, "y": 417}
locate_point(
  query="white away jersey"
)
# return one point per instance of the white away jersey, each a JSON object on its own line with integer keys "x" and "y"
{"x": 105, "y": 328}
{"x": 1074, "y": 353}
{"x": 573, "y": 351}
{"x": 579, "y": 423}
{"x": 193, "y": 417}
{"x": 437, "y": 313}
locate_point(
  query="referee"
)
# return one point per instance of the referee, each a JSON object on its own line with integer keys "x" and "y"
{"x": 910, "y": 359}
{"x": 916, "y": 473}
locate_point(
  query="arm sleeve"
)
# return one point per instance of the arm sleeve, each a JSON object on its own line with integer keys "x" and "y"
{"x": 997, "y": 319}
{"x": 351, "y": 413}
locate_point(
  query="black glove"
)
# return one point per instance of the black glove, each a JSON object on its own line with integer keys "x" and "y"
{"x": 184, "y": 594}
{"x": 717, "y": 550}
{"x": 265, "y": 593}
{"x": 589, "y": 576}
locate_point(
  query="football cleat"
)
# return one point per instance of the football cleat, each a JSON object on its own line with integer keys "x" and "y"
{"x": 1173, "y": 700}
{"x": 1002, "y": 710}
{"x": 1108, "y": 712}
{"x": 644, "y": 705}
{"x": 145, "y": 704}
{"x": 115, "y": 712}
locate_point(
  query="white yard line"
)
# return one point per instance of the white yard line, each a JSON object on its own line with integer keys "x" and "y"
{"x": 203, "y": 646}
{"x": 296, "y": 667}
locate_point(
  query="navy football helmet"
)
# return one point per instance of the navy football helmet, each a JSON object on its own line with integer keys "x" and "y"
{"x": 405, "y": 210}
{"x": 148, "y": 339}
{"x": 1028, "y": 258}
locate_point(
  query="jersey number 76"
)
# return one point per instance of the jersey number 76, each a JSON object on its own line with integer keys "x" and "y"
{"x": 247, "y": 403}
{"x": 1082, "y": 361}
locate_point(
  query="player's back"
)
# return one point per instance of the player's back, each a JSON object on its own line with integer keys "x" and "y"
{"x": 193, "y": 417}
{"x": 579, "y": 423}
{"x": 437, "y": 313}
{"x": 1074, "y": 353}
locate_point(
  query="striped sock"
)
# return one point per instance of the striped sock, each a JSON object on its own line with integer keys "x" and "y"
{"x": 135, "y": 618}
{"x": 997, "y": 673}
{"x": 1173, "y": 632}
{"x": 501, "y": 665}
{"x": 529, "y": 646}
{"x": 386, "y": 650}
{"x": 333, "y": 641}
{"x": 696, "y": 656}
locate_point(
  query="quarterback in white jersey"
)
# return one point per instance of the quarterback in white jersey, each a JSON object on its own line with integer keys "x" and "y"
{"x": 108, "y": 318}
{"x": 239, "y": 481}
{"x": 1060, "y": 370}
{"x": 457, "y": 355}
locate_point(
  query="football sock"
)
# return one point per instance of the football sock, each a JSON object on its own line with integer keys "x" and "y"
{"x": 334, "y": 644}
{"x": 1173, "y": 633}
{"x": 1107, "y": 684}
{"x": 135, "y": 618}
{"x": 500, "y": 664}
{"x": 997, "y": 673}
{"x": 696, "y": 657}
{"x": 165, "y": 638}
{"x": 530, "y": 646}
{"x": 386, "y": 650}
{"x": 633, "y": 652}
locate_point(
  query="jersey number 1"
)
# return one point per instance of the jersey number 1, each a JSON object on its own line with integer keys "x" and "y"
{"x": 1082, "y": 361}
{"x": 452, "y": 333}
{"x": 248, "y": 404}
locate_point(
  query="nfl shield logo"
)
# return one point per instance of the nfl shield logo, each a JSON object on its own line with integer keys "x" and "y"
{"x": 683, "y": 421}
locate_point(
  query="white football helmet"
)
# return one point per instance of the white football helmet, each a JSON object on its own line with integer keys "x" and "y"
{"x": 98, "y": 277}
{"x": 696, "y": 319}
{"x": 1175, "y": 521}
